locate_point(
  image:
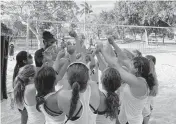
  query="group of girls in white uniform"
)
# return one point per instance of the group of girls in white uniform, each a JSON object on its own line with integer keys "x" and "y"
{"x": 70, "y": 91}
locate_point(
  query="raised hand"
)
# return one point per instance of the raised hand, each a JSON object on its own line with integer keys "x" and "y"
{"x": 111, "y": 40}
{"x": 48, "y": 63}
{"x": 87, "y": 58}
{"x": 99, "y": 47}
{"x": 93, "y": 52}
{"x": 63, "y": 45}
{"x": 92, "y": 66}
{"x": 69, "y": 43}
{"x": 78, "y": 56}
{"x": 73, "y": 33}
{"x": 97, "y": 50}
{"x": 90, "y": 51}
{"x": 61, "y": 54}
{"x": 71, "y": 49}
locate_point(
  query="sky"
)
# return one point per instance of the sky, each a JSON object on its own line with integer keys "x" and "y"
{"x": 99, "y": 5}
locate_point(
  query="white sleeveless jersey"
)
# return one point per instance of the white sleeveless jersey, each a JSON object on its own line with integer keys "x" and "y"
{"x": 87, "y": 116}
{"x": 60, "y": 119}
{"x": 131, "y": 108}
{"x": 34, "y": 116}
{"x": 147, "y": 108}
{"x": 102, "y": 119}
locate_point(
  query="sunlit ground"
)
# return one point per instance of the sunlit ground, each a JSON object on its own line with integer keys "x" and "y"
{"x": 165, "y": 103}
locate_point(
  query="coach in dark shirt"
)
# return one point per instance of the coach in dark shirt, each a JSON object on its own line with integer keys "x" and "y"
{"x": 48, "y": 40}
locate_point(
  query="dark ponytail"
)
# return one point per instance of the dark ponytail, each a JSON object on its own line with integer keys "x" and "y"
{"x": 40, "y": 100}
{"x": 150, "y": 81}
{"x": 78, "y": 76}
{"x": 44, "y": 83}
{"x": 74, "y": 99}
{"x": 111, "y": 81}
{"x": 16, "y": 70}
{"x": 112, "y": 102}
{"x": 20, "y": 57}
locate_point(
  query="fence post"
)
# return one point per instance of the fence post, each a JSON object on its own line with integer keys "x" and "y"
{"x": 146, "y": 38}
{"x": 57, "y": 34}
{"x": 27, "y": 36}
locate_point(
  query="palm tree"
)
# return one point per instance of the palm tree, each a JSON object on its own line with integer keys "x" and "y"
{"x": 87, "y": 9}
{"x": 104, "y": 15}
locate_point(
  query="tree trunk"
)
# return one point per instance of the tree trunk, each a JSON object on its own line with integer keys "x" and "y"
{"x": 31, "y": 43}
{"x": 141, "y": 36}
{"x": 39, "y": 39}
{"x": 146, "y": 37}
{"x": 163, "y": 38}
{"x": 134, "y": 35}
{"x": 98, "y": 35}
{"x": 36, "y": 33}
{"x": 123, "y": 35}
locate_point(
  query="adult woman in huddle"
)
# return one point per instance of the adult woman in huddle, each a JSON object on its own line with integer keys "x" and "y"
{"x": 45, "y": 82}
{"x": 22, "y": 58}
{"x": 73, "y": 102}
{"x": 153, "y": 92}
{"x": 109, "y": 100}
{"x": 135, "y": 94}
{"x": 83, "y": 94}
{"x": 25, "y": 93}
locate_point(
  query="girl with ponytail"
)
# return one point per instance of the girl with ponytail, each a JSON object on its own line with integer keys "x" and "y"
{"x": 24, "y": 94}
{"x": 109, "y": 100}
{"x": 138, "y": 81}
{"x": 81, "y": 95}
{"x": 22, "y": 58}
{"x": 74, "y": 99}
{"x": 48, "y": 99}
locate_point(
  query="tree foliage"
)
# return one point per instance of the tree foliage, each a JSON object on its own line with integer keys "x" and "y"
{"x": 20, "y": 11}
{"x": 148, "y": 13}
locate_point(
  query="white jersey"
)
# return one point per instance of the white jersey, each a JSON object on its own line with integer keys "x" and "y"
{"x": 57, "y": 118}
{"x": 147, "y": 108}
{"x": 87, "y": 116}
{"x": 102, "y": 119}
{"x": 131, "y": 108}
{"x": 34, "y": 116}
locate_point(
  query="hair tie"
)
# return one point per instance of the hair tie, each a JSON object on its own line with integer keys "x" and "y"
{"x": 21, "y": 82}
{"x": 40, "y": 98}
{"x": 150, "y": 74}
{"x": 22, "y": 87}
{"x": 21, "y": 78}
